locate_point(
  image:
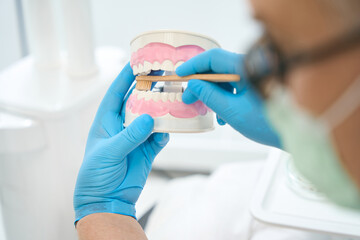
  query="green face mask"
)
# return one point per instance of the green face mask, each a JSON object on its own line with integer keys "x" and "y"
{"x": 309, "y": 141}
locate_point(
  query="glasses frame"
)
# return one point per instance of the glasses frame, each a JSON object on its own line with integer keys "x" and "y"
{"x": 265, "y": 60}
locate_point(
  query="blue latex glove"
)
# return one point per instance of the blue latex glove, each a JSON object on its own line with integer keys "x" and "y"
{"x": 244, "y": 110}
{"x": 117, "y": 161}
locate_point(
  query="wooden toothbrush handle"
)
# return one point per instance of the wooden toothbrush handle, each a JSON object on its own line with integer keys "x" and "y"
{"x": 205, "y": 77}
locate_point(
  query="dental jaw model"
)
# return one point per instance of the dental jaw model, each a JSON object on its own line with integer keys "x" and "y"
{"x": 165, "y": 51}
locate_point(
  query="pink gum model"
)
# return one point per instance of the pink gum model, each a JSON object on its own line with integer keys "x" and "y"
{"x": 161, "y": 51}
{"x": 161, "y": 108}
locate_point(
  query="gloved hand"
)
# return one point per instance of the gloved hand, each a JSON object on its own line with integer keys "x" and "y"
{"x": 243, "y": 110}
{"x": 117, "y": 161}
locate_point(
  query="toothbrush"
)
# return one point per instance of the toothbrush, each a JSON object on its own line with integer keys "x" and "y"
{"x": 144, "y": 82}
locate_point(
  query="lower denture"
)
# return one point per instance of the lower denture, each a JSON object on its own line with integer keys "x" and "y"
{"x": 161, "y": 108}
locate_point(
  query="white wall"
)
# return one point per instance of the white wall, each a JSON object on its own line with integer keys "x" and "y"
{"x": 116, "y": 22}
{"x": 228, "y": 21}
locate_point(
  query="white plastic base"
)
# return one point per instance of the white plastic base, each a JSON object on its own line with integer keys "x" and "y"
{"x": 175, "y": 38}
{"x": 172, "y": 124}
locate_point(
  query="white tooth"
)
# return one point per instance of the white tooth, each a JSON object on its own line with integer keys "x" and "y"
{"x": 156, "y": 65}
{"x": 179, "y": 97}
{"x": 140, "y": 68}
{"x": 156, "y": 96}
{"x": 147, "y": 72}
{"x": 164, "y": 96}
{"x": 167, "y": 65}
{"x": 178, "y": 64}
{"x": 135, "y": 70}
{"x": 141, "y": 95}
{"x": 135, "y": 91}
{"x": 148, "y": 95}
{"x": 147, "y": 66}
{"x": 172, "y": 96}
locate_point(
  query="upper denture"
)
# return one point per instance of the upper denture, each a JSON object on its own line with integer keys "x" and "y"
{"x": 157, "y": 53}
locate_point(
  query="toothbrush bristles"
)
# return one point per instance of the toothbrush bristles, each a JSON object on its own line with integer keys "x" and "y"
{"x": 143, "y": 85}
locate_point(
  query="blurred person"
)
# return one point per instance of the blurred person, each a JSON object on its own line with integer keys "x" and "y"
{"x": 300, "y": 91}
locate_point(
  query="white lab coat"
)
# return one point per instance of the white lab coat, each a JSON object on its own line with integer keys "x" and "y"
{"x": 216, "y": 207}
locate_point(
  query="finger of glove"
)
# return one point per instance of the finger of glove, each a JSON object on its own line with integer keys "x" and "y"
{"x": 227, "y": 86}
{"x": 209, "y": 93}
{"x": 220, "y": 121}
{"x": 188, "y": 97}
{"x": 215, "y": 60}
{"x": 123, "y": 108}
{"x": 132, "y": 136}
{"x": 157, "y": 141}
{"x": 113, "y": 99}
{"x": 140, "y": 163}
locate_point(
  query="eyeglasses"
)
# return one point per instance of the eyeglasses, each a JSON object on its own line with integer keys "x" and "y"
{"x": 265, "y": 63}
